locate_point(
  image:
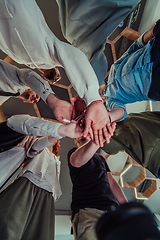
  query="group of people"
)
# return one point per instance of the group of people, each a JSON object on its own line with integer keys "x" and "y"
{"x": 27, "y": 205}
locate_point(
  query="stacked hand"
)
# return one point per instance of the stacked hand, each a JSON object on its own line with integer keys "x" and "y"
{"x": 94, "y": 119}
{"x": 72, "y": 130}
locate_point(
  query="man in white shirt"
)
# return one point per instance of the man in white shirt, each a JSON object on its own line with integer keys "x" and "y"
{"x": 29, "y": 86}
{"x": 14, "y": 135}
{"x": 37, "y": 186}
{"x": 26, "y": 38}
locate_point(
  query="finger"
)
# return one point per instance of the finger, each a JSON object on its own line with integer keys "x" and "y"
{"x": 88, "y": 137}
{"x": 87, "y": 126}
{"x": 106, "y": 134}
{"x": 91, "y": 134}
{"x": 73, "y": 121}
{"x": 73, "y": 115}
{"x": 110, "y": 131}
{"x": 95, "y": 135}
{"x": 113, "y": 125}
{"x": 100, "y": 136}
{"x": 74, "y": 99}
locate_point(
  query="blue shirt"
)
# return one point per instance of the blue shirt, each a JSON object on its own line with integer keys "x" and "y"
{"x": 130, "y": 76}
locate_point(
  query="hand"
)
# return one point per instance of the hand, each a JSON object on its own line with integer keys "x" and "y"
{"x": 61, "y": 109}
{"x": 79, "y": 105}
{"x": 72, "y": 130}
{"x": 90, "y": 134}
{"x": 97, "y": 118}
{"x": 26, "y": 142}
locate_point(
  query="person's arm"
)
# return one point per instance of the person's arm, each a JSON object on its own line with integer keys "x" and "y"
{"x": 85, "y": 82}
{"x": 61, "y": 109}
{"x": 134, "y": 47}
{"x": 117, "y": 114}
{"x": 34, "y": 126}
{"x": 33, "y": 80}
{"x": 116, "y": 189}
{"x": 71, "y": 130}
{"x": 116, "y": 109}
{"x": 84, "y": 153}
{"x": 148, "y": 35}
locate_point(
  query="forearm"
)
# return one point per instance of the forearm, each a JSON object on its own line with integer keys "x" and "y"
{"x": 148, "y": 35}
{"x": 116, "y": 189}
{"x": 79, "y": 72}
{"x": 39, "y": 144}
{"x": 83, "y": 154}
{"x": 43, "y": 142}
{"x": 36, "y": 83}
{"x": 116, "y": 114}
{"x": 33, "y": 126}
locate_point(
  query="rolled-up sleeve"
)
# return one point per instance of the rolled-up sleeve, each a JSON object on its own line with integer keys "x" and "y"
{"x": 111, "y": 104}
{"x": 35, "y": 82}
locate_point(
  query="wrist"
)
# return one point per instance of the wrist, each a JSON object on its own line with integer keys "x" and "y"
{"x": 62, "y": 131}
{"x": 95, "y": 102}
{"x": 52, "y": 100}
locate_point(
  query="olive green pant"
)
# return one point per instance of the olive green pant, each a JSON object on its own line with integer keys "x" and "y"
{"x": 26, "y": 212}
{"x": 139, "y": 136}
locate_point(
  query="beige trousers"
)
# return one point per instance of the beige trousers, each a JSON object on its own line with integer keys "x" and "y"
{"x": 84, "y": 223}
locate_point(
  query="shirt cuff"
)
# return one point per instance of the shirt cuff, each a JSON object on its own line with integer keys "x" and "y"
{"x": 45, "y": 94}
{"x": 91, "y": 95}
{"x": 140, "y": 42}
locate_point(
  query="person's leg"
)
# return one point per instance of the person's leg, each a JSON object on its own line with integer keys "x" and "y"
{"x": 26, "y": 212}
{"x": 84, "y": 223}
{"x": 139, "y": 136}
{"x": 87, "y": 25}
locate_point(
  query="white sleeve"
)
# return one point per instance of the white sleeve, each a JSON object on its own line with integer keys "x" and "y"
{"x": 35, "y": 82}
{"x": 37, "y": 146}
{"x": 79, "y": 71}
{"x": 33, "y": 126}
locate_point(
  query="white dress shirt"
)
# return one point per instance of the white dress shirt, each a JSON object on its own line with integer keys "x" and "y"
{"x": 26, "y": 38}
{"x": 43, "y": 170}
{"x": 44, "y": 167}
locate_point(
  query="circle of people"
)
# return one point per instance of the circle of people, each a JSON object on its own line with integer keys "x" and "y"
{"x": 27, "y": 204}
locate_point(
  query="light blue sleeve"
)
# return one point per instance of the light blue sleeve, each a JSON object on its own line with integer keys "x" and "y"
{"x": 134, "y": 47}
{"x": 111, "y": 104}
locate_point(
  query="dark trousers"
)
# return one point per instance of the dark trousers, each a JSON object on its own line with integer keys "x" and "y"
{"x": 26, "y": 212}
{"x": 154, "y": 91}
{"x": 8, "y": 137}
{"x": 139, "y": 136}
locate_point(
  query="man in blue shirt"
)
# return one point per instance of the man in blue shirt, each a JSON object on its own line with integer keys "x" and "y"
{"x": 134, "y": 77}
